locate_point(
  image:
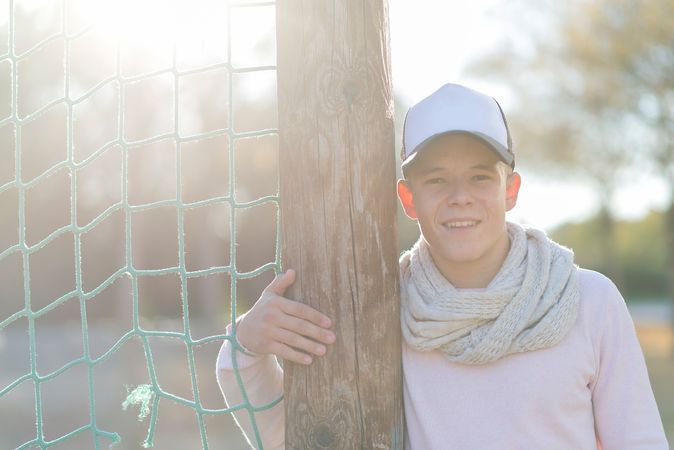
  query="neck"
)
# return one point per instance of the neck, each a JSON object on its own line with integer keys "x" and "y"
{"x": 479, "y": 273}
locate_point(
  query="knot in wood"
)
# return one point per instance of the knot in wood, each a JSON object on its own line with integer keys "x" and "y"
{"x": 350, "y": 91}
{"x": 323, "y": 435}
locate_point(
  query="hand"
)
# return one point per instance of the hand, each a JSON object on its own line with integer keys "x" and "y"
{"x": 283, "y": 327}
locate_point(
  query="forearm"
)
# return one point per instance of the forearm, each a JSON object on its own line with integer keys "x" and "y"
{"x": 262, "y": 380}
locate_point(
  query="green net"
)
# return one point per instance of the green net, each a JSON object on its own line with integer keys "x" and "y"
{"x": 22, "y": 114}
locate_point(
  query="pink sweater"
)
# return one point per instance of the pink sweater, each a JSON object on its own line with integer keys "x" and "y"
{"x": 589, "y": 391}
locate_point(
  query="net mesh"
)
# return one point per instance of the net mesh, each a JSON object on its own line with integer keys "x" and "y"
{"x": 17, "y": 117}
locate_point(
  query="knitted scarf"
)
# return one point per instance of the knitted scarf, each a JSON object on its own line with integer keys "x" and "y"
{"x": 531, "y": 303}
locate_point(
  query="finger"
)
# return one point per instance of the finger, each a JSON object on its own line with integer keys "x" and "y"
{"x": 306, "y": 329}
{"x": 290, "y": 354}
{"x": 299, "y": 342}
{"x": 282, "y": 281}
{"x": 305, "y": 312}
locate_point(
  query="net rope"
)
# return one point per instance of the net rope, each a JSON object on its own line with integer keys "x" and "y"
{"x": 148, "y": 396}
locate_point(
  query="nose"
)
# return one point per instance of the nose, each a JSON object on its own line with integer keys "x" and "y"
{"x": 458, "y": 194}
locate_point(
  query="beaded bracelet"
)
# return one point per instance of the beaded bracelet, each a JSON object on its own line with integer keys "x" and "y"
{"x": 240, "y": 346}
{"x": 244, "y": 350}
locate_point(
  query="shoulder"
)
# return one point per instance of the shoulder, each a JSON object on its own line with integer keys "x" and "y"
{"x": 597, "y": 288}
{"x": 602, "y": 305}
{"x": 599, "y": 298}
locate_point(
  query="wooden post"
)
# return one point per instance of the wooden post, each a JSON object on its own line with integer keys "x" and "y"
{"x": 338, "y": 209}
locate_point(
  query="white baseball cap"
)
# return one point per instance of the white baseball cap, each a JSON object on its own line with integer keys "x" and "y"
{"x": 456, "y": 109}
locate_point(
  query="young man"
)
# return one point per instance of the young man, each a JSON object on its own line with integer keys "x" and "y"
{"x": 507, "y": 344}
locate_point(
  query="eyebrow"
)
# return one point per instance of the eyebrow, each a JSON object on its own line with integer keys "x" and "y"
{"x": 485, "y": 166}
{"x": 489, "y": 167}
{"x": 430, "y": 170}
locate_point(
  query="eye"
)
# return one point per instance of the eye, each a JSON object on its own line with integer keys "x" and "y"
{"x": 481, "y": 177}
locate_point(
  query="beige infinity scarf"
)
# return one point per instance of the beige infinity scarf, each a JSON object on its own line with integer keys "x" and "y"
{"x": 531, "y": 303}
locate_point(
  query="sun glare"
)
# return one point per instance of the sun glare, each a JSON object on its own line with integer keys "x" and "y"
{"x": 199, "y": 30}
{"x": 144, "y": 23}
{"x": 151, "y": 33}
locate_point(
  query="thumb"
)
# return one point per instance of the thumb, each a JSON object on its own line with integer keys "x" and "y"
{"x": 282, "y": 281}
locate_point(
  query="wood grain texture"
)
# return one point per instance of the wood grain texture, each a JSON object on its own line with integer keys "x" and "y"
{"x": 338, "y": 212}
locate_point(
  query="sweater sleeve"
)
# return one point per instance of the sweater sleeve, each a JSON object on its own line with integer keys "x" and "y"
{"x": 626, "y": 414}
{"x": 262, "y": 379}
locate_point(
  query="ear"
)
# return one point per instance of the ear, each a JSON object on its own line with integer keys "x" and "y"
{"x": 407, "y": 199}
{"x": 513, "y": 184}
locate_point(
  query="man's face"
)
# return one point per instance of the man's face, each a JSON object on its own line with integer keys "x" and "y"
{"x": 459, "y": 192}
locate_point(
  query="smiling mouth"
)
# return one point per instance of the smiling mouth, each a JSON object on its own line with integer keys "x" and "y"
{"x": 461, "y": 224}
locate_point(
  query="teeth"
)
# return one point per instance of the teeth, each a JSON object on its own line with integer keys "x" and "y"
{"x": 467, "y": 223}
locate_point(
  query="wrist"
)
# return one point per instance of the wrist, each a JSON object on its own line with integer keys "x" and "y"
{"x": 237, "y": 343}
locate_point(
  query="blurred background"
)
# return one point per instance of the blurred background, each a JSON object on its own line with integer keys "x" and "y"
{"x": 138, "y": 122}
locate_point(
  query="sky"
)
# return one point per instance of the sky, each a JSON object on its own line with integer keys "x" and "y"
{"x": 432, "y": 42}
